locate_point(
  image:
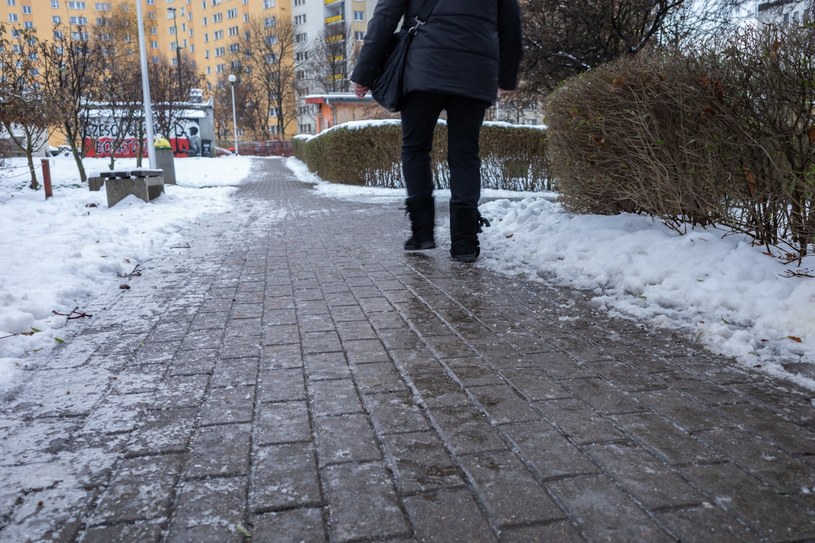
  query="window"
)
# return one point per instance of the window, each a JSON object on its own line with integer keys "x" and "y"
{"x": 233, "y": 31}
{"x": 54, "y": 3}
{"x": 12, "y": 17}
{"x": 299, "y": 2}
{"x": 220, "y": 51}
{"x": 12, "y": 2}
{"x": 300, "y": 19}
{"x": 206, "y": 54}
{"x": 79, "y": 20}
{"x": 218, "y": 35}
{"x": 76, "y": 5}
{"x": 301, "y": 37}
{"x": 154, "y": 44}
{"x": 103, "y": 6}
{"x": 204, "y": 21}
{"x": 56, "y": 19}
{"x": 234, "y": 48}
{"x": 359, "y": 35}
{"x": 268, "y": 4}
{"x": 231, "y": 13}
{"x": 220, "y": 68}
{"x": 269, "y": 22}
{"x": 245, "y": 17}
{"x": 359, "y": 15}
{"x": 218, "y": 17}
{"x": 27, "y": 10}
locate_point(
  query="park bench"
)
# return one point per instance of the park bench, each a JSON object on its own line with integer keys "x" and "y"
{"x": 119, "y": 184}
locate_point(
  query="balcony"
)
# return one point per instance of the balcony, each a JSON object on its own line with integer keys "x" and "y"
{"x": 335, "y": 19}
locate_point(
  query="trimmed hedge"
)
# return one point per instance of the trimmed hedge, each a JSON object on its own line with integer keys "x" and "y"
{"x": 368, "y": 153}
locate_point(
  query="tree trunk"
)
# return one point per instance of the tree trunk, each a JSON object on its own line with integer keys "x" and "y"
{"x": 83, "y": 177}
{"x": 29, "y": 155}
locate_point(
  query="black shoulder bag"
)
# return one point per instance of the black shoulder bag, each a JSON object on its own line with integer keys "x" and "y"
{"x": 387, "y": 87}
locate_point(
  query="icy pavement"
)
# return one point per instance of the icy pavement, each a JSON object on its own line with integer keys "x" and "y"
{"x": 293, "y": 375}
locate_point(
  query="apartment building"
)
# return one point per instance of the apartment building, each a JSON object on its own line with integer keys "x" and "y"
{"x": 786, "y": 11}
{"x": 204, "y": 30}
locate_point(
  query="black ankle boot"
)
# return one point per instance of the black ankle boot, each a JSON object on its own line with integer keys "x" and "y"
{"x": 465, "y": 224}
{"x": 422, "y": 211}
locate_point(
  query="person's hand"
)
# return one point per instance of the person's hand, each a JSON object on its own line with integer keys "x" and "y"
{"x": 360, "y": 90}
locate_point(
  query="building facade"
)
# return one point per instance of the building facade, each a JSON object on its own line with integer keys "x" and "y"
{"x": 204, "y": 30}
{"x": 786, "y": 11}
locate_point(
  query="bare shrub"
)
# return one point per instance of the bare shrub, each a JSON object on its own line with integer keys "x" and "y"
{"x": 724, "y": 135}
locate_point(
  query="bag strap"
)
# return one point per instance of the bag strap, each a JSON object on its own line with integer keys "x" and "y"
{"x": 421, "y": 18}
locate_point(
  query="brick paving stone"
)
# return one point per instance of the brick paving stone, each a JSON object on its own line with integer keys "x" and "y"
{"x": 602, "y": 396}
{"x": 284, "y": 477}
{"x": 228, "y": 406}
{"x": 181, "y": 391}
{"x": 141, "y": 489}
{"x": 598, "y": 505}
{"x": 282, "y": 385}
{"x": 420, "y": 463}
{"x": 281, "y": 334}
{"x": 194, "y": 362}
{"x": 437, "y": 389}
{"x": 351, "y": 330}
{"x": 704, "y": 523}
{"x": 242, "y": 347}
{"x": 473, "y": 372}
{"x": 448, "y": 516}
{"x": 282, "y": 422}
{"x": 771, "y": 514}
{"x": 143, "y": 532}
{"x": 683, "y": 410}
{"x": 277, "y": 357}
{"x": 413, "y": 362}
{"x": 335, "y": 397}
{"x": 209, "y": 510}
{"x": 558, "y": 365}
{"x": 787, "y": 435}
{"x": 219, "y": 451}
{"x": 650, "y": 481}
{"x": 345, "y": 438}
{"x": 673, "y": 444}
{"x": 303, "y": 525}
{"x": 759, "y": 457}
{"x": 503, "y": 405}
{"x": 393, "y": 412}
{"x": 365, "y": 351}
{"x": 548, "y": 452}
{"x": 466, "y": 430}
{"x": 561, "y": 531}
{"x": 235, "y": 372}
{"x": 362, "y": 503}
{"x": 324, "y": 366}
{"x": 162, "y": 431}
{"x": 378, "y": 377}
{"x": 508, "y": 489}
{"x": 534, "y": 384}
{"x": 578, "y": 421}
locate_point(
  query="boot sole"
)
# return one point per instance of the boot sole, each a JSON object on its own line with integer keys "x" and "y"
{"x": 465, "y": 258}
{"x": 421, "y": 246}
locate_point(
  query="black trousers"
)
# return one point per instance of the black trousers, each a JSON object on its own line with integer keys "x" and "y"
{"x": 420, "y": 112}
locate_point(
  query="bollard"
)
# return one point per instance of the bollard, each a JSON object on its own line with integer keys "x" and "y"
{"x": 46, "y": 178}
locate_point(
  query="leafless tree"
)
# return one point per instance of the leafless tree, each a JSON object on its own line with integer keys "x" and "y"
{"x": 170, "y": 91}
{"x": 330, "y": 55}
{"x": 25, "y": 113}
{"x": 567, "y": 38}
{"x": 72, "y": 69}
{"x": 266, "y": 61}
{"x": 117, "y": 94}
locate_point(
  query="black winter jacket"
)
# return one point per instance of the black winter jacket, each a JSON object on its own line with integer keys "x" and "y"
{"x": 467, "y": 48}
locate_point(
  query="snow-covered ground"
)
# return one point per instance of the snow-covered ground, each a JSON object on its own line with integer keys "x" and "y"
{"x": 56, "y": 254}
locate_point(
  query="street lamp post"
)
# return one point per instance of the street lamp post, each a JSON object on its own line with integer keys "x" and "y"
{"x": 232, "y": 80}
{"x": 178, "y": 70}
{"x": 145, "y": 81}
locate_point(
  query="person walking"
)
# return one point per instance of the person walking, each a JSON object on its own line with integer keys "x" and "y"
{"x": 460, "y": 59}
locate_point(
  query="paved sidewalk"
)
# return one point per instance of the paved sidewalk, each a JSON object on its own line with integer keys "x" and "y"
{"x": 294, "y": 376}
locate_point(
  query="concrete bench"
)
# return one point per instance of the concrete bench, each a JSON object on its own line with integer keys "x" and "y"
{"x": 142, "y": 183}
